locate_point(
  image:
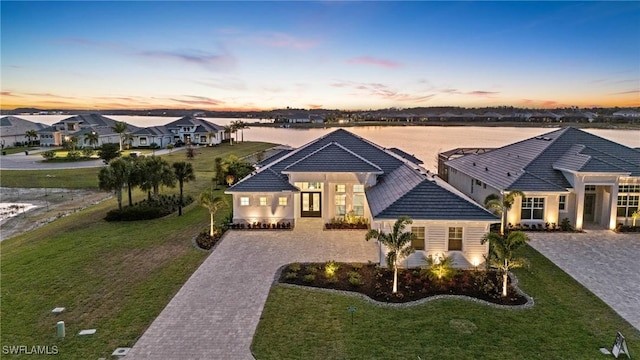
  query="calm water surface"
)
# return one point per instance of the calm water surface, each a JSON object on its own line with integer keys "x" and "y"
{"x": 422, "y": 141}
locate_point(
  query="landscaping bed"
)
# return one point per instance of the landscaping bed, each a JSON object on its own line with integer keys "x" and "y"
{"x": 413, "y": 284}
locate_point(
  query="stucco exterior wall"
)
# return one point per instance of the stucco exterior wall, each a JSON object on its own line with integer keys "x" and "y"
{"x": 271, "y": 213}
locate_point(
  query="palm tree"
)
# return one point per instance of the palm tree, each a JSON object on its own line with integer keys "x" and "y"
{"x": 213, "y": 204}
{"x": 634, "y": 216}
{"x": 398, "y": 242}
{"x": 156, "y": 172}
{"x": 128, "y": 138}
{"x": 72, "y": 141}
{"x": 184, "y": 173}
{"x": 229, "y": 129}
{"x": 31, "y": 134}
{"x": 240, "y": 125}
{"x": 133, "y": 175}
{"x": 500, "y": 205}
{"x": 113, "y": 178}
{"x": 501, "y": 254}
{"x": 120, "y": 128}
{"x": 92, "y": 138}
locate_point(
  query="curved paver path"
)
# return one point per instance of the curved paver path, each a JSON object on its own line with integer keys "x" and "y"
{"x": 604, "y": 262}
{"x": 216, "y": 312}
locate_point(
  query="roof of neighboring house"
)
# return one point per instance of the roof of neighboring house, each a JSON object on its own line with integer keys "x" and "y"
{"x": 536, "y": 164}
{"x": 274, "y": 157}
{"x": 96, "y": 120}
{"x": 153, "y": 131}
{"x": 12, "y": 125}
{"x": 407, "y": 156}
{"x": 202, "y": 125}
{"x": 402, "y": 188}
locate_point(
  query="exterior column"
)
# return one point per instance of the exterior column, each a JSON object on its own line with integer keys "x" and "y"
{"x": 579, "y": 186}
{"x": 613, "y": 205}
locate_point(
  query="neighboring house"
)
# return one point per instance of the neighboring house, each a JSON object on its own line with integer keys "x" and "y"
{"x": 567, "y": 173}
{"x": 145, "y": 137}
{"x": 80, "y": 125}
{"x": 13, "y": 130}
{"x": 629, "y": 113}
{"x": 192, "y": 130}
{"x": 341, "y": 173}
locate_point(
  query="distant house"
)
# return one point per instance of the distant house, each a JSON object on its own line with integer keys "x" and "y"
{"x": 186, "y": 130}
{"x": 566, "y": 173}
{"x": 13, "y": 130}
{"x": 79, "y": 126}
{"x": 629, "y": 113}
{"x": 342, "y": 174}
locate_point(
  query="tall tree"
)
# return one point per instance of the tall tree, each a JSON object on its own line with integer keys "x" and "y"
{"x": 184, "y": 173}
{"x": 30, "y": 134}
{"x": 213, "y": 204}
{"x": 92, "y": 138}
{"x": 240, "y": 125}
{"x": 113, "y": 178}
{"x": 156, "y": 172}
{"x": 128, "y": 139}
{"x": 108, "y": 152}
{"x": 120, "y": 128}
{"x": 398, "y": 243}
{"x": 501, "y": 204}
{"x": 501, "y": 253}
{"x": 229, "y": 129}
{"x": 211, "y": 135}
{"x": 133, "y": 175}
{"x": 218, "y": 168}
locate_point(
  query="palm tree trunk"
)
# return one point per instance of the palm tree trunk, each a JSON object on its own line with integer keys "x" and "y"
{"x": 503, "y": 221}
{"x": 180, "y": 205}
{"x": 505, "y": 276}
{"x": 395, "y": 279}
{"x": 119, "y": 197}
{"x": 130, "y": 199}
{"x": 211, "y": 230}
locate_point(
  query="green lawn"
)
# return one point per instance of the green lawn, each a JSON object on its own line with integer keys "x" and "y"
{"x": 567, "y": 322}
{"x": 114, "y": 277}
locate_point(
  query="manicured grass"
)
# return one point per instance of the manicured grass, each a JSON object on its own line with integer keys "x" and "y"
{"x": 15, "y": 150}
{"x": 83, "y": 178}
{"x": 114, "y": 277}
{"x": 567, "y": 322}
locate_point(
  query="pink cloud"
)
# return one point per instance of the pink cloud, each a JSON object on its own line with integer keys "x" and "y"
{"x": 368, "y": 60}
{"x": 314, "y": 106}
{"x": 8, "y": 93}
{"x": 282, "y": 40}
{"x": 198, "y": 100}
{"x": 482, "y": 93}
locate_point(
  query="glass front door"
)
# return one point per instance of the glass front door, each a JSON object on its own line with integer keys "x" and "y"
{"x": 310, "y": 205}
{"x": 589, "y": 207}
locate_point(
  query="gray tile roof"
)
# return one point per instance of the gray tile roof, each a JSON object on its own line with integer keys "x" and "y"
{"x": 191, "y": 121}
{"x": 12, "y": 125}
{"x": 274, "y": 157}
{"x": 430, "y": 201}
{"x": 96, "y": 120}
{"x": 265, "y": 180}
{"x": 407, "y": 156}
{"x": 153, "y": 131}
{"x": 534, "y": 164}
{"x": 333, "y": 157}
{"x": 391, "y": 187}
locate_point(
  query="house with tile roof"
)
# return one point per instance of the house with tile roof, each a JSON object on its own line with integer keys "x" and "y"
{"x": 79, "y": 126}
{"x": 13, "y": 130}
{"x": 187, "y": 130}
{"x": 342, "y": 173}
{"x": 566, "y": 173}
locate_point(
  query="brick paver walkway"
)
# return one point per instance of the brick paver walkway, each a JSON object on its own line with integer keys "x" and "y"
{"x": 216, "y": 312}
{"x": 606, "y": 263}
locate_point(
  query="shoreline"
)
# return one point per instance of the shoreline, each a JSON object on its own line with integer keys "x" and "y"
{"x": 610, "y": 126}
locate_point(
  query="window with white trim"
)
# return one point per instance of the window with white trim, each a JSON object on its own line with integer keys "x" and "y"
{"x": 143, "y": 141}
{"x": 358, "y": 188}
{"x": 341, "y": 205}
{"x": 340, "y": 188}
{"x": 244, "y": 201}
{"x": 627, "y": 205}
{"x": 358, "y": 205}
{"x": 455, "y": 239}
{"x": 532, "y": 208}
{"x": 263, "y": 201}
{"x": 418, "y": 242}
{"x": 562, "y": 203}
{"x": 282, "y": 201}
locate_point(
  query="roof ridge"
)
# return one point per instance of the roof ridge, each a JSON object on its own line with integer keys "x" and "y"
{"x": 356, "y": 155}
{"x": 608, "y": 154}
{"x": 533, "y": 175}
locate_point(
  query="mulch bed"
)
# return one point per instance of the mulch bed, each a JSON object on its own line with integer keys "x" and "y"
{"x": 413, "y": 284}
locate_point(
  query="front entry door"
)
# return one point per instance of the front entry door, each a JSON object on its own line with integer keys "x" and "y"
{"x": 310, "y": 204}
{"x": 589, "y": 207}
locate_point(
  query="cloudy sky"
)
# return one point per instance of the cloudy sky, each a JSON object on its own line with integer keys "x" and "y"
{"x": 348, "y": 55}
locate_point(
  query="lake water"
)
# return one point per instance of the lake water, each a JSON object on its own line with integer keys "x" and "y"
{"x": 424, "y": 142}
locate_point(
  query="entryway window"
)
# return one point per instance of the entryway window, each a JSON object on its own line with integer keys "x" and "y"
{"x": 562, "y": 203}
{"x": 358, "y": 205}
{"x": 282, "y": 201}
{"x": 455, "y": 239}
{"x": 418, "y": 243}
{"x": 532, "y": 208}
{"x": 358, "y": 188}
{"x": 340, "y": 188}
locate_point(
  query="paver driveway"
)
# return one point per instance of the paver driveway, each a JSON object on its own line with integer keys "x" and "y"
{"x": 216, "y": 312}
{"x": 606, "y": 263}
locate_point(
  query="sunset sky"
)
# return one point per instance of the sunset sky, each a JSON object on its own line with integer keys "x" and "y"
{"x": 346, "y": 55}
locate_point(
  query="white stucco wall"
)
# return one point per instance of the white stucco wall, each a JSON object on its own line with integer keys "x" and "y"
{"x": 270, "y": 213}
